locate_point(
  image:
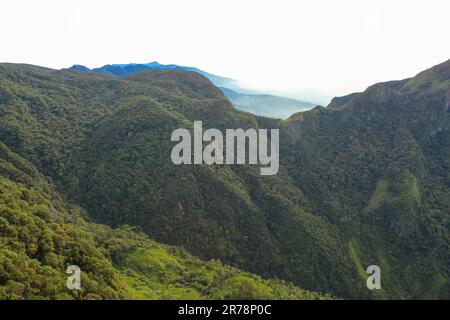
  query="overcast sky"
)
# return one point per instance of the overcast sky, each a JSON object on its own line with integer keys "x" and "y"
{"x": 335, "y": 46}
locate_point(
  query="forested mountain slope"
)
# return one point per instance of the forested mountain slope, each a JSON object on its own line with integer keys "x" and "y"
{"x": 365, "y": 184}
{"x": 41, "y": 235}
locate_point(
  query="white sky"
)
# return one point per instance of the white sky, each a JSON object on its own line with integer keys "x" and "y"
{"x": 334, "y": 46}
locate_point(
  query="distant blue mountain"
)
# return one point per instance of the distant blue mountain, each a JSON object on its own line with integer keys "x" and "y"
{"x": 123, "y": 70}
{"x": 243, "y": 99}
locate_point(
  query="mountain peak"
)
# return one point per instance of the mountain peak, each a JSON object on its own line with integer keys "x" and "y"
{"x": 79, "y": 67}
{"x": 435, "y": 80}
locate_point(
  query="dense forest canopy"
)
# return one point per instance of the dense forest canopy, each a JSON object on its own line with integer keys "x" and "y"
{"x": 87, "y": 179}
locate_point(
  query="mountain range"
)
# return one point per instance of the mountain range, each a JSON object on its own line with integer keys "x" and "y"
{"x": 86, "y": 179}
{"x": 242, "y": 98}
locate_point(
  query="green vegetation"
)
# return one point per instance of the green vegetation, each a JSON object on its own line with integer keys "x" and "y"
{"x": 159, "y": 273}
{"x": 364, "y": 181}
{"x": 40, "y": 236}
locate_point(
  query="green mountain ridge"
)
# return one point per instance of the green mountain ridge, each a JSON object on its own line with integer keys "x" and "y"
{"x": 366, "y": 184}
{"x": 242, "y": 98}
